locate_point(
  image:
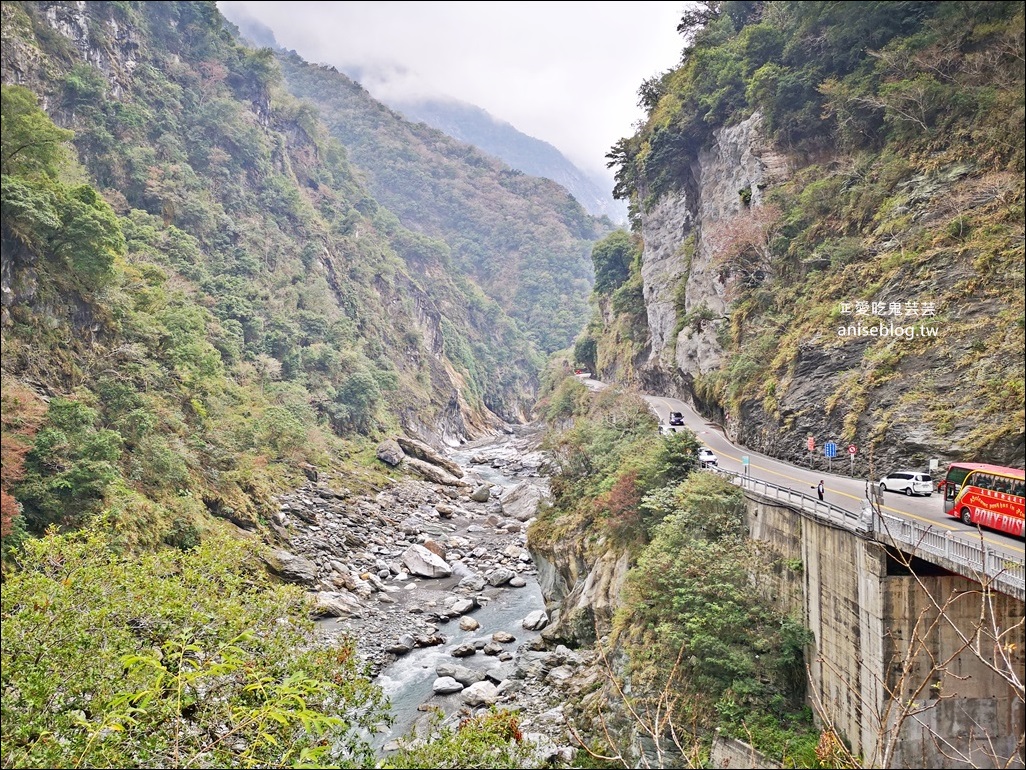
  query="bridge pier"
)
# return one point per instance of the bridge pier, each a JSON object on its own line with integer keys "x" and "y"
{"x": 912, "y": 665}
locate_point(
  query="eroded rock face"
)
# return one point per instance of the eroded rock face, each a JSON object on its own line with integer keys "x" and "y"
{"x": 682, "y": 235}
{"x": 587, "y": 610}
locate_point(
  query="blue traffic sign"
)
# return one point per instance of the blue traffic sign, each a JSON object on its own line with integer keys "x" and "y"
{"x": 830, "y": 449}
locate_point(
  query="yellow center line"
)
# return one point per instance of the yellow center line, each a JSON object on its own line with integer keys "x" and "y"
{"x": 944, "y": 525}
{"x": 930, "y": 522}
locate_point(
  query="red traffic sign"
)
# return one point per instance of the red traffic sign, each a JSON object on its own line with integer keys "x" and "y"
{"x": 852, "y": 449}
{"x": 812, "y": 443}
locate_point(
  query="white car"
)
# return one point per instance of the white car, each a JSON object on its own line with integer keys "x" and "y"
{"x": 909, "y": 482}
{"x": 707, "y": 457}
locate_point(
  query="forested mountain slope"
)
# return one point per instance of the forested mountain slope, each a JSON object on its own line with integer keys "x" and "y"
{"x": 523, "y": 239}
{"x": 201, "y": 297}
{"x": 827, "y": 201}
{"x": 473, "y": 125}
{"x": 532, "y": 156}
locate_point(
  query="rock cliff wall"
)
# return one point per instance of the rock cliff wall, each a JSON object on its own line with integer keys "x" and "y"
{"x": 679, "y": 233}
{"x": 789, "y": 348}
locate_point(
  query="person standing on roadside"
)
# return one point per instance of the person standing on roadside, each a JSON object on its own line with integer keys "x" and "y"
{"x": 819, "y": 489}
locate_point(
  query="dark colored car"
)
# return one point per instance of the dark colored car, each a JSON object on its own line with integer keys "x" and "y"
{"x": 676, "y": 418}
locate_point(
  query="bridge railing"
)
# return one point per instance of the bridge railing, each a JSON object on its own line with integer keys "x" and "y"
{"x": 818, "y": 508}
{"x": 973, "y": 560}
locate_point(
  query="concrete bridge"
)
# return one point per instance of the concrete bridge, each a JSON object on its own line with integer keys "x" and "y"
{"x": 918, "y": 652}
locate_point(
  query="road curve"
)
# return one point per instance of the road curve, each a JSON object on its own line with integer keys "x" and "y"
{"x": 842, "y": 491}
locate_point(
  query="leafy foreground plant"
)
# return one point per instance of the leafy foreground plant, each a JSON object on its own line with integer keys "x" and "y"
{"x": 171, "y": 659}
{"x": 492, "y": 739}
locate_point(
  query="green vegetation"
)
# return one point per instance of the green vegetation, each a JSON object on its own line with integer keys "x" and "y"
{"x": 618, "y": 330}
{"x": 205, "y": 294}
{"x": 171, "y": 659}
{"x": 701, "y": 648}
{"x": 205, "y": 305}
{"x": 522, "y": 239}
{"x": 606, "y": 459}
{"x": 901, "y": 126}
{"x": 489, "y": 740}
{"x": 694, "y": 591}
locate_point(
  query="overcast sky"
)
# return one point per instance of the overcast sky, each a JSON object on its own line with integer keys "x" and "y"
{"x": 567, "y": 73}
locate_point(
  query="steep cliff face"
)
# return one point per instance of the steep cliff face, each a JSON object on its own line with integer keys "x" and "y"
{"x": 681, "y": 276}
{"x": 836, "y": 380}
{"x": 192, "y": 269}
{"x": 503, "y": 228}
{"x": 827, "y": 228}
{"x": 223, "y": 152}
{"x": 581, "y": 589}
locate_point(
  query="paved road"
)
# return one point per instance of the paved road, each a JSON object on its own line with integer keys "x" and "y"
{"x": 842, "y": 491}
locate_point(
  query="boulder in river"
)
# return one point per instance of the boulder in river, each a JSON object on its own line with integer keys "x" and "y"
{"x": 536, "y": 620}
{"x": 337, "y": 605}
{"x": 462, "y": 674}
{"x": 521, "y": 502}
{"x": 445, "y": 685}
{"x": 499, "y": 576}
{"x": 420, "y": 561}
{"x": 401, "y": 646}
{"x": 422, "y": 451}
{"x": 289, "y": 567}
{"x": 433, "y": 472}
{"x": 480, "y": 694}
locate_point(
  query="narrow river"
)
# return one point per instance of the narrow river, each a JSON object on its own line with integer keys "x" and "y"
{"x": 409, "y": 680}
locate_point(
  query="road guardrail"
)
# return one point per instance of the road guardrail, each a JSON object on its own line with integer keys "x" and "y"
{"x": 972, "y": 560}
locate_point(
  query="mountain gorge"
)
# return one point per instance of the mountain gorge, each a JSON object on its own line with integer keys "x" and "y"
{"x": 473, "y": 125}
{"x": 237, "y": 291}
{"x": 537, "y": 267}
{"x": 196, "y": 273}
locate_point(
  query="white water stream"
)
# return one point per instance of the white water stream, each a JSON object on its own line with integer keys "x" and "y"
{"x": 408, "y": 681}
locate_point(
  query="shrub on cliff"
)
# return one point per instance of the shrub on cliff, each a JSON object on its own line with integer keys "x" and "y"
{"x": 700, "y": 641}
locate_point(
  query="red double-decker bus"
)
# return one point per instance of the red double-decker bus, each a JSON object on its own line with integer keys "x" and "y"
{"x": 991, "y": 496}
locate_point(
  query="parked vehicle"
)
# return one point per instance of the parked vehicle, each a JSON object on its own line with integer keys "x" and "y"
{"x": 707, "y": 457}
{"x": 909, "y": 482}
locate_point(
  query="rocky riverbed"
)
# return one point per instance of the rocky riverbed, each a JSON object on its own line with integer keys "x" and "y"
{"x": 409, "y": 568}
